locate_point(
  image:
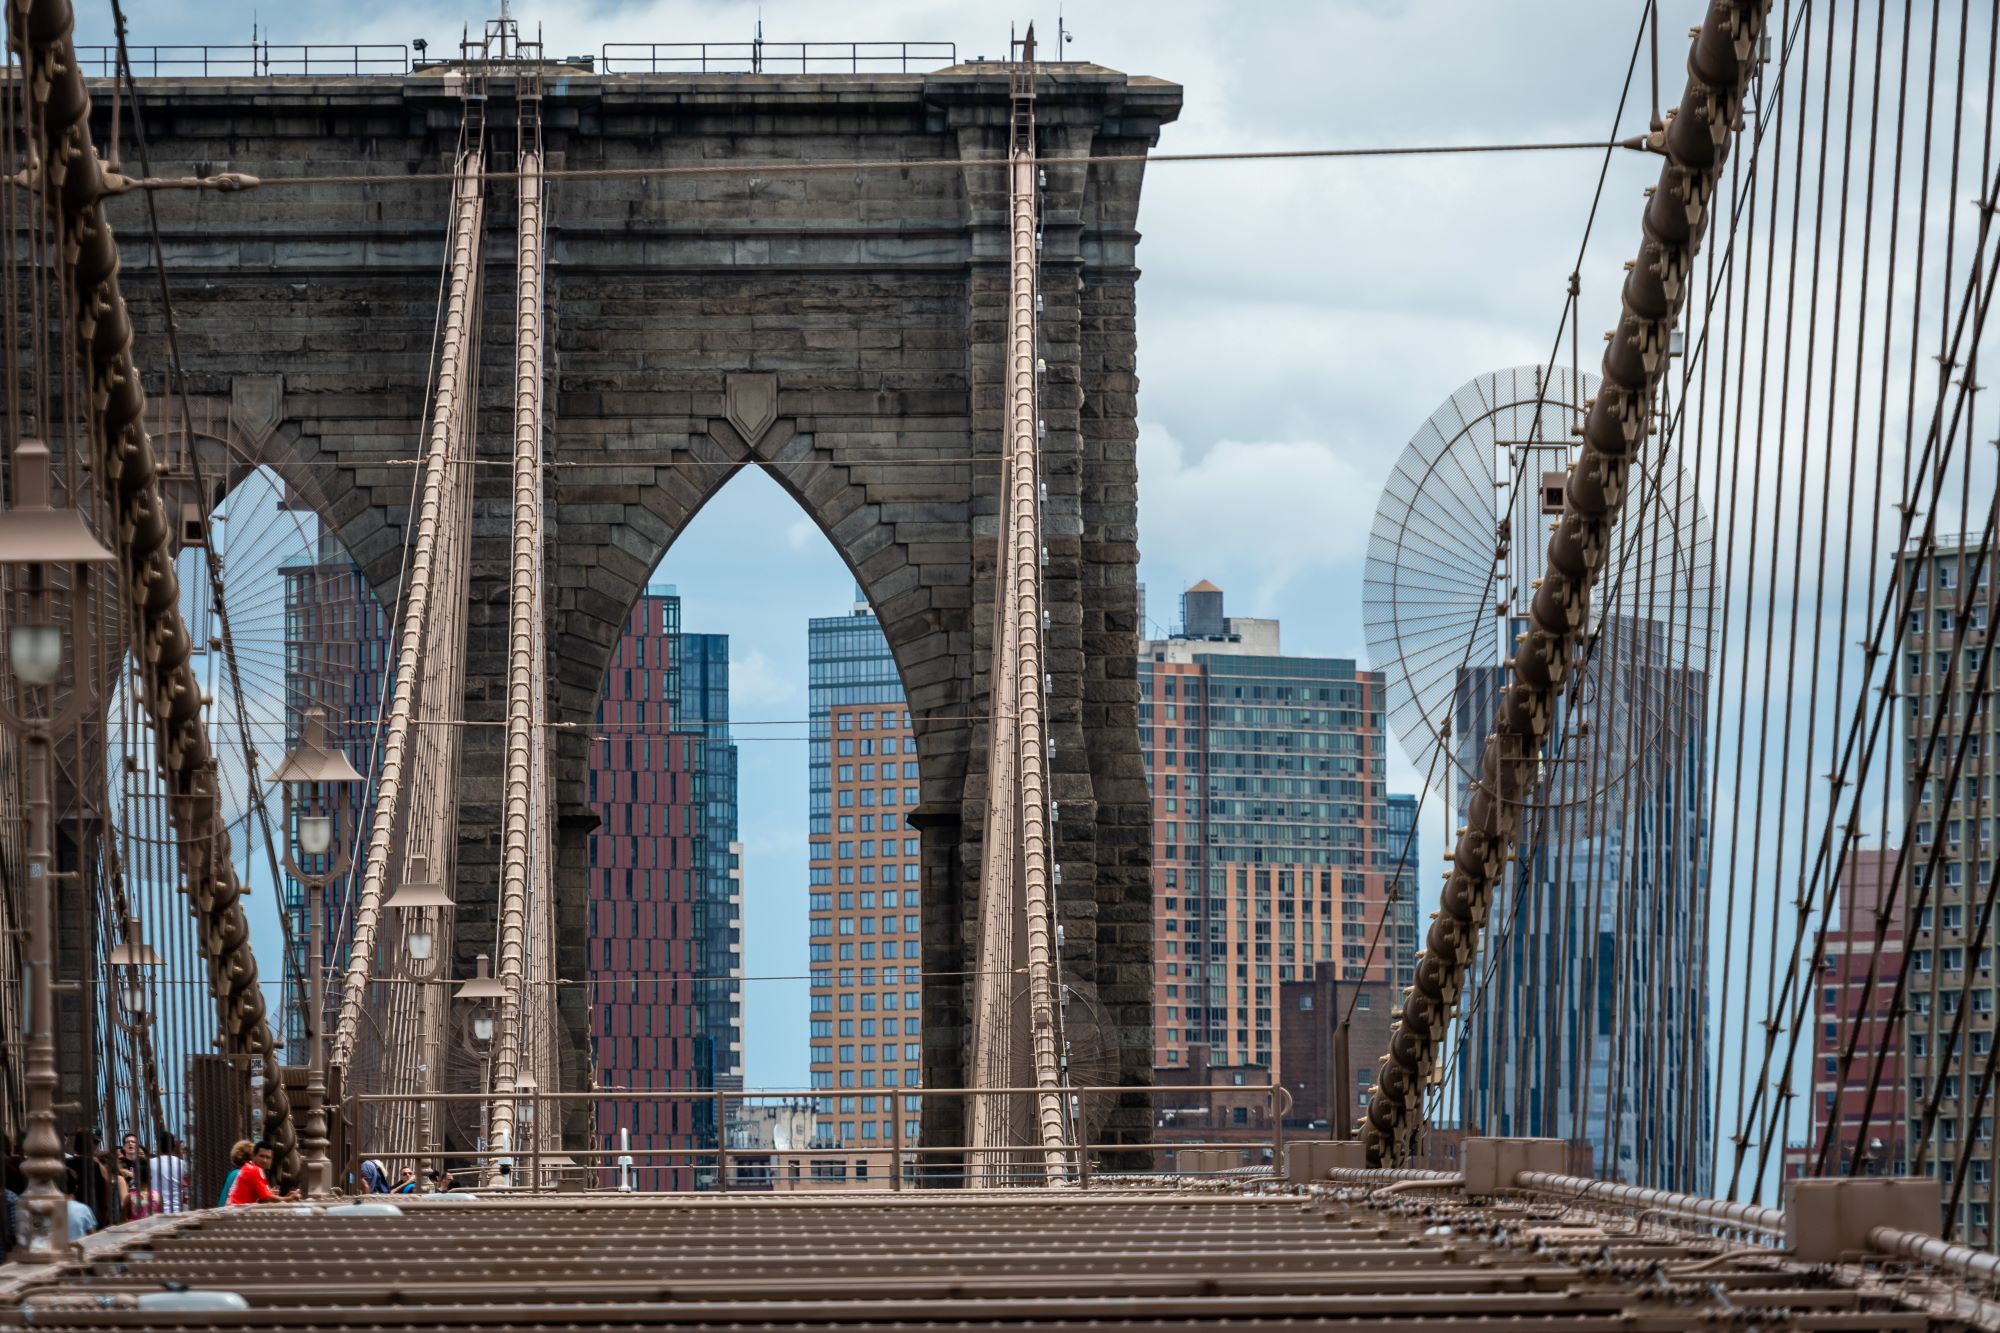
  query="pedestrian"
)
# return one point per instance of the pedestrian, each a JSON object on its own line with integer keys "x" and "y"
{"x": 239, "y": 1153}
{"x": 170, "y": 1174}
{"x": 134, "y": 1180}
{"x": 82, "y": 1221}
{"x": 374, "y": 1180}
{"x": 141, "y": 1199}
{"x": 253, "y": 1179}
{"x": 79, "y": 1220}
{"x": 408, "y": 1183}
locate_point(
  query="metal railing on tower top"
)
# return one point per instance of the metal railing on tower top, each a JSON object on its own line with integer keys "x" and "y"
{"x": 251, "y": 60}
{"x": 762, "y": 57}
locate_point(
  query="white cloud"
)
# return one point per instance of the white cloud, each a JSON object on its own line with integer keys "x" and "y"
{"x": 757, "y": 686}
{"x": 801, "y": 533}
{"x": 1272, "y": 510}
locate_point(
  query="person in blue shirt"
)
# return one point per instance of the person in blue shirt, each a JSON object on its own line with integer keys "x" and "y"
{"x": 238, "y": 1155}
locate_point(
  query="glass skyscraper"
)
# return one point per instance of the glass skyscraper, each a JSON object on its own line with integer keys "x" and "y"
{"x": 1585, "y": 1018}
{"x": 337, "y": 659}
{"x": 718, "y": 908}
{"x": 1404, "y": 852}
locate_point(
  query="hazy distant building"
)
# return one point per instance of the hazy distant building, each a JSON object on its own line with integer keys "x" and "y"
{"x": 1589, "y": 1019}
{"x": 864, "y": 920}
{"x": 1271, "y": 851}
{"x": 337, "y": 658}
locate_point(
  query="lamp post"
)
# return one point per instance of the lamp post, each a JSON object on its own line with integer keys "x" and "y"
{"x": 33, "y": 537}
{"x": 307, "y": 773}
{"x": 130, "y": 1011}
{"x": 484, "y": 992}
{"x": 524, "y": 1114}
{"x": 420, "y": 903}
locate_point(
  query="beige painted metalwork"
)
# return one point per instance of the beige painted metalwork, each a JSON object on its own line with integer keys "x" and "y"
{"x": 1016, "y": 885}
{"x": 524, "y": 840}
{"x": 1143, "y": 1256}
{"x": 420, "y": 761}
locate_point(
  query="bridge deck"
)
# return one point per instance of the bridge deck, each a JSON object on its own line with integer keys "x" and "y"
{"x": 1126, "y": 1259}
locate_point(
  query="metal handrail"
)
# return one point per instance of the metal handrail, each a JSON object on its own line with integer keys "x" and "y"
{"x": 1277, "y": 1094}
{"x": 253, "y": 60}
{"x": 761, "y": 57}
{"x": 762, "y": 1094}
{"x": 1691, "y": 1207}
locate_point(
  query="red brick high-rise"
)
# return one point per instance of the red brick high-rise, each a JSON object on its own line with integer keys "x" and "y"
{"x": 1842, "y": 998}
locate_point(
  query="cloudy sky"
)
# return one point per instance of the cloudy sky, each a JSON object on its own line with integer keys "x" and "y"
{"x": 1297, "y": 320}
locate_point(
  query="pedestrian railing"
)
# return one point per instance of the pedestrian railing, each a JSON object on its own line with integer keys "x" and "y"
{"x": 246, "y": 61}
{"x": 759, "y": 57}
{"x": 550, "y": 1160}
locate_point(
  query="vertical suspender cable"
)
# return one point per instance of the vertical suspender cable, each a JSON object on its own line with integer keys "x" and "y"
{"x": 1697, "y": 140}
{"x": 468, "y": 213}
{"x": 524, "y": 703}
{"x": 76, "y": 183}
{"x": 1024, "y": 604}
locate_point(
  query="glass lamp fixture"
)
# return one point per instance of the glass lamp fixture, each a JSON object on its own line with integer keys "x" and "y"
{"x": 135, "y": 994}
{"x": 315, "y": 834}
{"x": 35, "y": 652}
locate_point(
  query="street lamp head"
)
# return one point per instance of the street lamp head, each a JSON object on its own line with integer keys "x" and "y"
{"x": 134, "y": 952}
{"x": 314, "y": 760}
{"x": 131, "y": 959}
{"x": 34, "y": 533}
{"x": 315, "y": 834}
{"x": 481, "y": 985}
{"x": 413, "y": 903}
{"x": 483, "y": 991}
